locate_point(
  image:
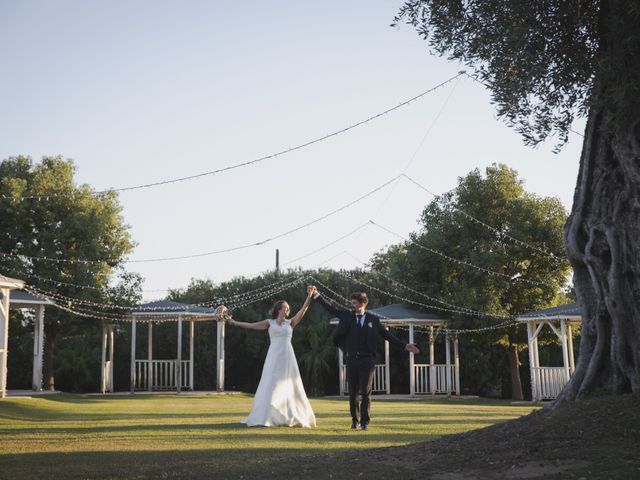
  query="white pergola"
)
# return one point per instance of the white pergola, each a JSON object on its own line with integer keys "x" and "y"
{"x": 427, "y": 378}
{"x": 25, "y": 300}
{"x": 174, "y": 374}
{"x": 548, "y": 382}
{"x": 7, "y": 284}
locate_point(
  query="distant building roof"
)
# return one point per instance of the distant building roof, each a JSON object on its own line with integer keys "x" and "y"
{"x": 22, "y": 299}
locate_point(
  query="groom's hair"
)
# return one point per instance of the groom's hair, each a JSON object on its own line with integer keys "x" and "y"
{"x": 360, "y": 297}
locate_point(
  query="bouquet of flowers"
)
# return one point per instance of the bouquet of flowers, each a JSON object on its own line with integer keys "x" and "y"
{"x": 222, "y": 314}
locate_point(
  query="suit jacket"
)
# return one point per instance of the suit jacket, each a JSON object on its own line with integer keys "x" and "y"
{"x": 347, "y": 320}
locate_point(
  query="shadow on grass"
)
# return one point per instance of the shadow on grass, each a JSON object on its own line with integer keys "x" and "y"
{"x": 173, "y": 464}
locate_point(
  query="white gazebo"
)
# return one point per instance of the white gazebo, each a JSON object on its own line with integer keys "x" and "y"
{"x": 548, "y": 382}
{"x": 427, "y": 378}
{"x": 174, "y": 374}
{"x": 7, "y": 284}
{"x": 25, "y": 300}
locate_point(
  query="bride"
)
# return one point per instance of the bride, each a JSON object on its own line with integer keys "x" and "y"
{"x": 280, "y": 398}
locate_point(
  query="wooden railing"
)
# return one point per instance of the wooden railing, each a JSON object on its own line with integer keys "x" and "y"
{"x": 161, "y": 374}
{"x": 434, "y": 378}
{"x": 551, "y": 381}
{"x": 379, "y": 379}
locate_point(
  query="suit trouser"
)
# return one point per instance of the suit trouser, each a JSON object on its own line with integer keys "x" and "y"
{"x": 360, "y": 372}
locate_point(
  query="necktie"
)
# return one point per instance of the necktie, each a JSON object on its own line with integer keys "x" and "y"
{"x": 360, "y": 322}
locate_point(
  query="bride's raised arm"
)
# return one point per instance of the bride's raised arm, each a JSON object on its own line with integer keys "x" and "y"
{"x": 298, "y": 316}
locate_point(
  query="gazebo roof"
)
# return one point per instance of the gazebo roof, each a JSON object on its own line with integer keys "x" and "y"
{"x": 11, "y": 283}
{"x": 22, "y": 299}
{"x": 169, "y": 310}
{"x": 398, "y": 314}
{"x": 570, "y": 311}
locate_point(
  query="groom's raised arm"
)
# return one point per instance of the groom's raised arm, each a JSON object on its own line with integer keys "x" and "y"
{"x": 332, "y": 309}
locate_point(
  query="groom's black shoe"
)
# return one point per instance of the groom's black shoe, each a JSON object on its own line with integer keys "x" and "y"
{"x": 354, "y": 424}
{"x": 365, "y": 426}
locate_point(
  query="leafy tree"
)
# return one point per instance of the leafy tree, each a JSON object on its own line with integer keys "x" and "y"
{"x": 49, "y": 226}
{"x": 546, "y": 62}
{"x": 528, "y": 276}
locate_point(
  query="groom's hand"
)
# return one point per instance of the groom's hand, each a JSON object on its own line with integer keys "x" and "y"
{"x": 412, "y": 348}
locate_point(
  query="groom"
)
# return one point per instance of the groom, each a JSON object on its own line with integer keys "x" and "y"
{"x": 357, "y": 336}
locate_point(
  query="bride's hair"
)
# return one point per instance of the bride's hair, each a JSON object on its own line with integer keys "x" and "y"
{"x": 276, "y": 308}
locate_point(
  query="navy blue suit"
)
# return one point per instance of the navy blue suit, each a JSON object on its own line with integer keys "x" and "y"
{"x": 359, "y": 344}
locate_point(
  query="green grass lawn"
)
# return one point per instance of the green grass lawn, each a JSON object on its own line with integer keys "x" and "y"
{"x": 199, "y": 436}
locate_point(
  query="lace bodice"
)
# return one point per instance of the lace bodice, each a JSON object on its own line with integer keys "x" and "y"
{"x": 280, "y": 331}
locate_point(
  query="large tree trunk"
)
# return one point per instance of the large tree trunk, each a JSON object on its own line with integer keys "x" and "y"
{"x": 603, "y": 243}
{"x": 603, "y": 230}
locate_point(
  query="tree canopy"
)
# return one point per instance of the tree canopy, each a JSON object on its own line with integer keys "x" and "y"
{"x": 62, "y": 238}
{"x": 546, "y": 62}
{"x": 483, "y": 222}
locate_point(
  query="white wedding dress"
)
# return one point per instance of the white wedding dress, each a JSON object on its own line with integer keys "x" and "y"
{"x": 280, "y": 398}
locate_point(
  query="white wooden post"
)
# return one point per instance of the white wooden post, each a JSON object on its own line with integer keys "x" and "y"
{"x": 532, "y": 362}
{"x": 456, "y": 359}
{"x": 432, "y": 362}
{"x": 341, "y": 370}
{"x": 191, "y": 353}
{"x": 387, "y": 369}
{"x": 220, "y": 362}
{"x": 110, "y": 369}
{"x": 412, "y": 371}
{"x": 447, "y": 377}
{"x": 4, "y": 337}
{"x": 179, "y": 360}
{"x": 103, "y": 361}
{"x": 150, "y": 375}
{"x": 565, "y": 353}
{"x": 38, "y": 343}
{"x": 572, "y": 363}
{"x": 133, "y": 354}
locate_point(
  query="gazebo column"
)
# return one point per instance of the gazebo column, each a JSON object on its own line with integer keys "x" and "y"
{"x": 110, "y": 366}
{"x": 432, "y": 362}
{"x": 412, "y": 370}
{"x": 341, "y": 371}
{"x": 387, "y": 370}
{"x": 179, "y": 356}
{"x": 4, "y": 337}
{"x": 448, "y": 377}
{"x": 565, "y": 353}
{"x": 38, "y": 341}
{"x": 532, "y": 360}
{"x": 103, "y": 361}
{"x": 220, "y": 357}
{"x": 572, "y": 363}
{"x": 191, "y": 353}
{"x": 150, "y": 369}
{"x": 456, "y": 355}
{"x": 133, "y": 355}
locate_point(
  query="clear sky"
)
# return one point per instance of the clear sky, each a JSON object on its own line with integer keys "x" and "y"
{"x": 142, "y": 91}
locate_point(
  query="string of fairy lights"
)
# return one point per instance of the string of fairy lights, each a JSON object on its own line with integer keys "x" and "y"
{"x": 457, "y": 261}
{"x": 344, "y": 301}
{"x": 49, "y": 196}
{"x": 106, "y": 311}
{"x": 393, "y": 281}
